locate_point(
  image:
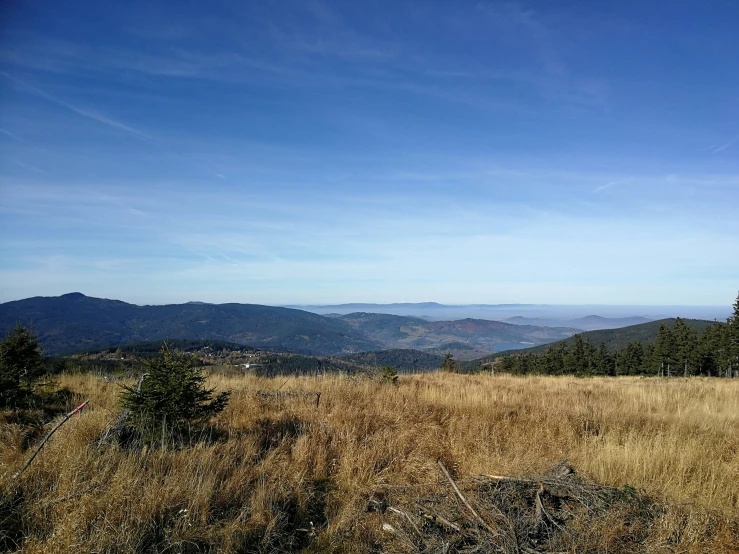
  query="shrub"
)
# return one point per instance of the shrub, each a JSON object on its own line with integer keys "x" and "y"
{"x": 449, "y": 364}
{"x": 21, "y": 365}
{"x": 390, "y": 375}
{"x": 172, "y": 394}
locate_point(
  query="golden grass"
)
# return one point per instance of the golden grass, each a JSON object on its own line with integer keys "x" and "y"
{"x": 284, "y": 464}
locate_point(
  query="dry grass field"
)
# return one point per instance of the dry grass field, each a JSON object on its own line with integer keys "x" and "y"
{"x": 282, "y": 474}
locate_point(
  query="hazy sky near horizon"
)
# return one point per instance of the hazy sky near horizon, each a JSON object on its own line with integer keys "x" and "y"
{"x": 311, "y": 152}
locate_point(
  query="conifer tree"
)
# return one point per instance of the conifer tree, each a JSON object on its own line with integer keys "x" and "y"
{"x": 21, "y": 365}
{"x": 553, "y": 360}
{"x": 576, "y": 358}
{"x": 449, "y": 365}
{"x": 172, "y": 394}
{"x": 733, "y": 338}
{"x": 685, "y": 346}
{"x": 663, "y": 350}
{"x": 631, "y": 358}
{"x": 389, "y": 375}
{"x": 605, "y": 363}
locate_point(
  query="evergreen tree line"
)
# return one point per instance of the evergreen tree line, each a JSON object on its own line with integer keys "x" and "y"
{"x": 678, "y": 351}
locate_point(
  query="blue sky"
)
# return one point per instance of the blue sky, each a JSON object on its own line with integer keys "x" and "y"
{"x": 317, "y": 152}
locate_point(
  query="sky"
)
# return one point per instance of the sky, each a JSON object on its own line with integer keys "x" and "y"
{"x": 309, "y": 152}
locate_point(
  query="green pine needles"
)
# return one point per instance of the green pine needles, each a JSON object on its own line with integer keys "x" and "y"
{"x": 389, "y": 375}
{"x": 449, "y": 364}
{"x": 172, "y": 394}
{"x": 21, "y": 366}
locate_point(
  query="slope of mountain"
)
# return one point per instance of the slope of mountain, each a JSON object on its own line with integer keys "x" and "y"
{"x": 587, "y": 323}
{"x": 618, "y": 338}
{"x": 466, "y": 338}
{"x": 73, "y": 322}
{"x": 402, "y": 359}
{"x": 124, "y": 357}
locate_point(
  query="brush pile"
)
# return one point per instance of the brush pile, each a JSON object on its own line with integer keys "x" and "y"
{"x": 555, "y": 512}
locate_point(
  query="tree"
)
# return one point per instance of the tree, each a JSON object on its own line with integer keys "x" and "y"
{"x": 449, "y": 365}
{"x": 553, "y": 359}
{"x": 631, "y": 359}
{"x": 605, "y": 364}
{"x": 21, "y": 365}
{"x": 390, "y": 375}
{"x": 664, "y": 347}
{"x": 576, "y": 359}
{"x": 733, "y": 338}
{"x": 685, "y": 346}
{"x": 172, "y": 394}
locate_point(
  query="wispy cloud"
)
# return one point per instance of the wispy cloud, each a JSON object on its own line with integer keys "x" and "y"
{"x": 719, "y": 148}
{"x": 31, "y": 167}
{"x": 11, "y": 135}
{"x": 84, "y": 112}
{"x": 555, "y": 79}
{"x": 610, "y": 185}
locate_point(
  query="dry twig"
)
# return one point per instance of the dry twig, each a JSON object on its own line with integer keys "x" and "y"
{"x": 464, "y": 500}
{"x": 43, "y": 442}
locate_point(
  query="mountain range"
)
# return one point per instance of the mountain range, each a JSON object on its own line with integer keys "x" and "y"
{"x": 586, "y": 317}
{"x": 587, "y": 323}
{"x": 465, "y": 338}
{"x": 75, "y": 322}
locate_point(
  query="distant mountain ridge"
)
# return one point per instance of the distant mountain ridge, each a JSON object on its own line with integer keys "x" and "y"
{"x": 587, "y": 323}
{"x": 547, "y": 315}
{"x": 75, "y": 322}
{"x": 466, "y": 338}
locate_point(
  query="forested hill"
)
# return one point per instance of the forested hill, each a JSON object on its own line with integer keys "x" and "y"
{"x": 74, "y": 322}
{"x": 680, "y": 348}
{"x": 403, "y": 359}
{"x": 616, "y": 339}
{"x": 466, "y": 338}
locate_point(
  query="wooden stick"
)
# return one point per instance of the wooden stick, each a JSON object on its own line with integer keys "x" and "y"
{"x": 541, "y": 512}
{"x": 539, "y": 506}
{"x": 405, "y": 514}
{"x": 464, "y": 500}
{"x": 43, "y": 442}
{"x": 506, "y": 478}
{"x": 436, "y": 518}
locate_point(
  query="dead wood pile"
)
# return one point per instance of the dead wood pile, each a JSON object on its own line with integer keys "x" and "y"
{"x": 555, "y": 512}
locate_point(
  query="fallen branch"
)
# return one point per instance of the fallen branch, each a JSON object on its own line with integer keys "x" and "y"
{"x": 405, "y": 514}
{"x": 428, "y": 515}
{"x": 506, "y": 478}
{"x": 390, "y": 529}
{"x": 43, "y": 442}
{"x": 539, "y": 506}
{"x": 416, "y": 486}
{"x": 464, "y": 500}
{"x": 541, "y": 513}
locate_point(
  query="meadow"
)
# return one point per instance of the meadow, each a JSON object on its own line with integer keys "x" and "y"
{"x": 284, "y": 473}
